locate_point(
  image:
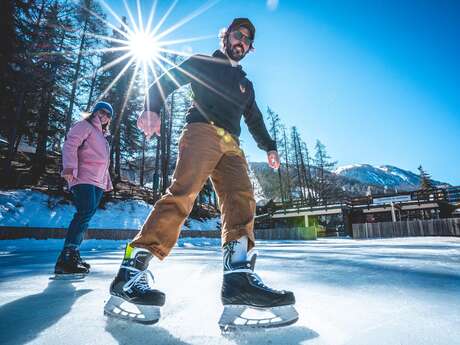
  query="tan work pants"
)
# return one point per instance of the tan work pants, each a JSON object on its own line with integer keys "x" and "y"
{"x": 204, "y": 151}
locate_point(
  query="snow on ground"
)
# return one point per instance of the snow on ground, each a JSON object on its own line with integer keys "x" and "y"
{"x": 35, "y": 209}
{"x": 259, "y": 194}
{"x": 349, "y": 292}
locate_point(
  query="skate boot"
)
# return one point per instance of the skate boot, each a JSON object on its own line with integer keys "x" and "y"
{"x": 83, "y": 263}
{"x": 69, "y": 266}
{"x": 249, "y": 303}
{"x": 132, "y": 298}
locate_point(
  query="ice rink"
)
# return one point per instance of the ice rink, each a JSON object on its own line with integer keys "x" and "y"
{"x": 389, "y": 291}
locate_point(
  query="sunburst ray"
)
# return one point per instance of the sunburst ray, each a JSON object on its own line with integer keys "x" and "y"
{"x": 113, "y": 82}
{"x": 141, "y": 44}
{"x": 188, "y": 18}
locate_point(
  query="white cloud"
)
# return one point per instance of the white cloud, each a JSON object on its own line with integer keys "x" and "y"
{"x": 272, "y": 4}
{"x": 187, "y": 49}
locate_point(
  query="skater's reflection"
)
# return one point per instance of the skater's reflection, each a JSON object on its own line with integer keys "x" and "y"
{"x": 24, "y": 319}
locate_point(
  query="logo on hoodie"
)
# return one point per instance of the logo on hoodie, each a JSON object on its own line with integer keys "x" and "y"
{"x": 242, "y": 88}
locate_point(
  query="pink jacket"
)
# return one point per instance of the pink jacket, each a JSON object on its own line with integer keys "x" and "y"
{"x": 87, "y": 152}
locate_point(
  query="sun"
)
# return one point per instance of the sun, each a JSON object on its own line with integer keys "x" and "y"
{"x": 143, "y": 46}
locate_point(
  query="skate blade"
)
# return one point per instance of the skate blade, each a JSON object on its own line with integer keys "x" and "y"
{"x": 69, "y": 276}
{"x": 119, "y": 308}
{"x": 242, "y": 317}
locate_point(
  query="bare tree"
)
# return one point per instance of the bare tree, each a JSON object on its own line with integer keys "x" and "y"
{"x": 274, "y": 122}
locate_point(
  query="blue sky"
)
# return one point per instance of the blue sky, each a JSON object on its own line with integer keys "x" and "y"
{"x": 376, "y": 81}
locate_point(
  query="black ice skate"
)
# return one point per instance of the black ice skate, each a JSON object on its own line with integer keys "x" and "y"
{"x": 82, "y": 262}
{"x": 249, "y": 303}
{"x": 69, "y": 265}
{"x": 132, "y": 298}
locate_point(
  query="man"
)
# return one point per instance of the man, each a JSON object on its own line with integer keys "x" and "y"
{"x": 208, "y": 147}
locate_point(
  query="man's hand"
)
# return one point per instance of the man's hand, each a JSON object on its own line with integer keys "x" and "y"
{"x": 273, "y": 159}
{"x": 149, "y": 122}
{"x": 67, "y": 174}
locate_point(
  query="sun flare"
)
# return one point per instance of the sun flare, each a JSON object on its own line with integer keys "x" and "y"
{"x": 143, "y": 46}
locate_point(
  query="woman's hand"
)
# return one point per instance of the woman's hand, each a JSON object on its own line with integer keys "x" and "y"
{"x": 273, "y": 159}
{"x": 67, "y": 174}
{"x": 149, "y": 122}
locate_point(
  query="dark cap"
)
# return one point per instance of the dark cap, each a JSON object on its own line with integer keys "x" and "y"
{"x": 245, "y": 22}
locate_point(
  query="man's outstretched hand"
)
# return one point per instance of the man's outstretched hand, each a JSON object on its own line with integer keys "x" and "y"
{"x": 273, "y": 159}
{"x": 149, "y": 122}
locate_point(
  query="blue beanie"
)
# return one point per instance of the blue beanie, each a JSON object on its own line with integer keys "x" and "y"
{"x": 102, "y": 105}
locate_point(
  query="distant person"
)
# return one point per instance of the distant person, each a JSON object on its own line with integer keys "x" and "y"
{"x": 85, "y": 160}
{"x": 208, "y": 147}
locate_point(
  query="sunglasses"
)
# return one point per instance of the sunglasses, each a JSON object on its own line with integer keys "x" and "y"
{"x": 238, "y": 35}
{"x": 106, "y": 113}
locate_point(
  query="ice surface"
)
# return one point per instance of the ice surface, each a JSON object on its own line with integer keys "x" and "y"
{"x": 392, "y": 291}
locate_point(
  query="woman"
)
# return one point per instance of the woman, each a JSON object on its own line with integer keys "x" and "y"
{"x": 85, "y": 158}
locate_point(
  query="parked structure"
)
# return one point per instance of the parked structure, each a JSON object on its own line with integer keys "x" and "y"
{"x": 435, "y": 203}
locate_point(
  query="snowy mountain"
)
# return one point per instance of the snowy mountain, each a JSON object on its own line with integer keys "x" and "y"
{"x": 384, "y": 176}
{"x": 354, "y": 180}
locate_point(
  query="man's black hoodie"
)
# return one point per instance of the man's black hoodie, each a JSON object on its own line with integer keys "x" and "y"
{"x": 221, "y": 95}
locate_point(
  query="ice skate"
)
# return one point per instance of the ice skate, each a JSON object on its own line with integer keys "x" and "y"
{"x": 82, "y": 262}
{"x": 131, "y": 297}
{"x": 249, "y": 303}
{"x": 69, "y": 266}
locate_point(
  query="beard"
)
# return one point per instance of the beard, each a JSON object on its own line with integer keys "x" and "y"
{"x": 235, "y": 52}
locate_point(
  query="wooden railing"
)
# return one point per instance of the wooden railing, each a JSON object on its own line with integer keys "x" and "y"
{"x": 11, "y": 233}
{"x": 450, "y": 195}
{"x": 431, "y": 227}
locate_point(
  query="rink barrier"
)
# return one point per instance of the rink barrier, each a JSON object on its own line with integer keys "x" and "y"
{"x": 410, "y": 228}
{"x": 11, "y": 233}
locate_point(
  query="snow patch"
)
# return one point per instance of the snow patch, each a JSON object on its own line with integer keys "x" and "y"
{"x": 27, "y": 208}
{"x": 341, "y": 169}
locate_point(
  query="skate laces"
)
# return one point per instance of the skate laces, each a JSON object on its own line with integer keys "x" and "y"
{"x": 256, "y": 279}
{"x": 72, "y": 256}
{"x": 78, "y": 257}
{"x": 139, "y": 280}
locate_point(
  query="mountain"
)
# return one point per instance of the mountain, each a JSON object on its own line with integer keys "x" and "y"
{"x": 354, "y": 180}
{"x": 386, "y": 176}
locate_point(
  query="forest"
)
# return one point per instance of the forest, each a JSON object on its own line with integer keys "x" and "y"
{"x": 59, "y": 58}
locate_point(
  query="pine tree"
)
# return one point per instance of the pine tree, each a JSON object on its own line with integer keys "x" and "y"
{"x": 299, "y": 182}
{"x": 306, "y": 166}
{"x": 425, "y": 179}
{"x": 9, "y": 72}
{"x": 173, "y": 119}
{"x": 90, "y": 25}
{"x": 53, "y": 63}
{"x": 302, "y": 160}
{"x": 156, "y": 174}
{"x": 325, "y": 187}
{"x": 117, "y": 83}
{"x": 274, "y": 125}
{"x": 22, "y": 23}
{"x": 286, "y": 158}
